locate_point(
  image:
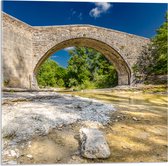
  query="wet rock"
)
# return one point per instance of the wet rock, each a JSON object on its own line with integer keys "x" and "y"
{"x": 93, "y": 144}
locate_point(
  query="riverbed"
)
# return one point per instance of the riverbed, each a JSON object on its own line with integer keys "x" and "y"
{"x": 135, "y": 132}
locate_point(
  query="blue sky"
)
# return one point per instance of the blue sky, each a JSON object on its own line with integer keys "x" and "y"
{"x": 136, "y": 18}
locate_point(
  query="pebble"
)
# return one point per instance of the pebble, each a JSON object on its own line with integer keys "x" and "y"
{"x": 134, "y": 118}
{"x": 13, "y": 153}
{"x": 29, "y": 156}
{"x": 74, "y": 157}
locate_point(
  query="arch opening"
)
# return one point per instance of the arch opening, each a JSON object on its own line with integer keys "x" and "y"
{"x": 122, "y": 68}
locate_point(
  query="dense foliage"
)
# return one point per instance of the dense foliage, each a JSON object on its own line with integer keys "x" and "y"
{"x": 87, "y": 68}
{"x": 160, "y": 45}
{"x": 50, "y": 74}
{"x": 153, "y": 60}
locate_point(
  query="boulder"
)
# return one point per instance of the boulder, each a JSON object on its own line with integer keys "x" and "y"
{"x": 93, "y": 144}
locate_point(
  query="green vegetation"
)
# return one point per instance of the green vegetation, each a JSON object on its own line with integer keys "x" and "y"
{"x": 86, "y": 69}
{"x": 153, "y": 60}
{"x": 160, "y": 45}
{"x": 50, "y": 74}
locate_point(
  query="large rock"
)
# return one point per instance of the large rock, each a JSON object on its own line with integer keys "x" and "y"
{"x": 93, "y": 144}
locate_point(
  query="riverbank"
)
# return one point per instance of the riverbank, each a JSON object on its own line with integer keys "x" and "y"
{"x": 160, "y": 89}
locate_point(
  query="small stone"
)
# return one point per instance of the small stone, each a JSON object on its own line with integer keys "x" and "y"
{"x": 29, "y": 156}
{"x": 93, "y": 144}
{"x": 134, "y": 118}
{"x": 58, "y": 159}
{"x": 77, "y": 152}
{"x": 73, "y": 157}
{"x": 13, "y": 153}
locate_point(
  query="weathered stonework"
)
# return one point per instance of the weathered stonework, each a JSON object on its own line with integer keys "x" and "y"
{"x": 26, "y": 47}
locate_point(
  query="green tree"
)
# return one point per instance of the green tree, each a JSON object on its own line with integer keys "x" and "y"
{"x": 153, "y": 59}
{"x": 77, "y": 67}
{"x": 88, "y": 68}
{"x": 160, "y": 45}
{"x": 50, "y": 74}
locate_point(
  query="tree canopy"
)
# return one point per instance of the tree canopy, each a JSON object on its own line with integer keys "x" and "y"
{"x": 160, "y": 45}
{"x": 50, "y": 74}
{"x": 87, "y": 67}
{"x": 153, "y": 60}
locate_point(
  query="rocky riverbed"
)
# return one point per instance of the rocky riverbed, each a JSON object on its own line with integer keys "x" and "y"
{"x": 26, "y": 116}
{"x": 135, "y": 132}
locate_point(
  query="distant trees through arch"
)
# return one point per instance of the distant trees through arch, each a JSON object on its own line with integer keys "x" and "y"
{"x": 87, "y": 69}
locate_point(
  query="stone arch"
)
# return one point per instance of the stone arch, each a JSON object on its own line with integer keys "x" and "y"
{"x": 123, "y": 69}
{"x": 36, "y": 43}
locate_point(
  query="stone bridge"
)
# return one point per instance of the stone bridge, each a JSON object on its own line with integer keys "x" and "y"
{"x": 25, "y": 48}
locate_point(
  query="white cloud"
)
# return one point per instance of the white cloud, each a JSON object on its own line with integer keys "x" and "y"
{"x": 69, "y": 48}
{"x": 101, "y": 7}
